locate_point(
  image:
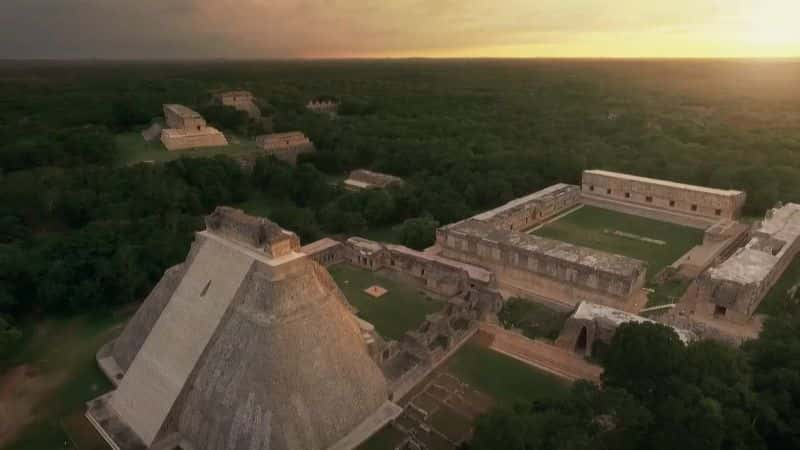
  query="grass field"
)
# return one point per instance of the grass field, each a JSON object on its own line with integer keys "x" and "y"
{"x": 134, "y": 149}
{"x": 401, "y": 309}
{"x": 505, "y": 379}
{"x": 593, "y": 227}
{"x": 58, "y": 375}
{"x": 534, "y": 320}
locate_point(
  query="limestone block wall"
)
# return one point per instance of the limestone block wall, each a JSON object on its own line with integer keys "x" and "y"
{"x": 181, "y": 117}
{"x": 538, "y": 210}
{"x": 666, "y": 195}
{"x": 526, "y": 271}
{"x": 182, "y": 140}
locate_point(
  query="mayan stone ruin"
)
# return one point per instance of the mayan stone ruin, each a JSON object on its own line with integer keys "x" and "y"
{"x": 323, "y": 106}
{"x": 285, "y": 146}
{"x": 733, "y": 289}
{"x": 532, "y": 266}
{"x": 590, "y": 323}
{"x": 366, "y": 179}
{"x": 684, "y": 203}
{"x": 241, "y": 100}
{"x": 248, "y": 344}
{"x": 186, "y": 129}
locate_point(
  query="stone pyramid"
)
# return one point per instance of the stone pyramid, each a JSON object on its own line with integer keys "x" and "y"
{"x": 246, "y": 345}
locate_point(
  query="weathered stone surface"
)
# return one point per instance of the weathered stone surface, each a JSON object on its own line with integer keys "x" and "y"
{"x": 323, "y": 106}
{"x": 241, "y": 100}
{"x": 367, "y": 179}
{"x": 528, "y": 265}
{"x": 591, "y": 322}
{"x": 256, "y": 232}
{"x": 665, "y": 195}
{"x": 187, "y": 129}
{"x": 253, "y": 349}
{"x": 735, "y": 288}
{"x": 285, "y": 146}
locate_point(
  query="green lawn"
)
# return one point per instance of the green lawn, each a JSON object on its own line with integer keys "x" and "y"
{"x": 533, "y": 319}
{"x": 62, "y": 351}
{"x": 774, "y": 302}
{"x": 592, "y": 227}
{"x": 403, "y": 308}
{"x": 505, "y": 379}
{"x": 134, "y": 149}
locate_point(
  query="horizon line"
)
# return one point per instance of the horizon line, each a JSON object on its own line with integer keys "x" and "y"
{"x": 400, "y": 58}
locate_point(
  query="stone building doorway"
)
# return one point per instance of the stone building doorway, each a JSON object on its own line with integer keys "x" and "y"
{"x": 580, "y": 344}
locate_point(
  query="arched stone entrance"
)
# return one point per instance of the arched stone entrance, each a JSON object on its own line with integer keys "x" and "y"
{"x": 580, "y": 344}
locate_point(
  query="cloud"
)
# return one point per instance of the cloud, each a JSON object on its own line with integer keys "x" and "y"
{"x": 300, "y": 28}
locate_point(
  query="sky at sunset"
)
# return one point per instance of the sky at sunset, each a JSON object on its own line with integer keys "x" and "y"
{"x": 145, "y": 29}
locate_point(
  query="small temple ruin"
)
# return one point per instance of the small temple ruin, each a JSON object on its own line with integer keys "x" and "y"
{"x": 366, "y": 179}
{"x": 241, "y": 100}
{"x": 186, "y": 128}
{"x": 285, "y": 146}
{"x": 323, "y": 106}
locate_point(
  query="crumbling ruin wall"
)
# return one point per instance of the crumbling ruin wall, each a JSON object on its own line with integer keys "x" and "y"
{"x": 680, "y": 198}
{"x": 533, "y": 210}
{"x": 240, "y": 100}
{"x": 735, "y": 288}
{"x": 525, "y": 271}
{"x": 285, "y": 146}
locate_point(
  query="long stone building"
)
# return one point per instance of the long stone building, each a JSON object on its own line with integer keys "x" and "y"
{"x": 366, "y": 179}
{"x": 532, "y": 266}
{"x": 285, "y": 146}
{"x": 246, "y": 345}
{"x": 709, "y": 204}
{"x": 186, "y": 128}
{"x": 734, "y": 289}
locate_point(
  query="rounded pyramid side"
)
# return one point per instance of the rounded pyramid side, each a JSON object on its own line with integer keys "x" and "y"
{"x": 288, "y": 369}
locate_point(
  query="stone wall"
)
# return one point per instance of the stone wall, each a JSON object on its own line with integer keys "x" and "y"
{"x": 257, "y": 232}
{"x": 734, "y": 288}
{"x": 183, "y": 118}
{"x": 666, "y": 195}
{"x": 532, "y": 210}
{"x": 241, "y": 100}
{"x": 434, "y": 273}
{"x": 532, "y": 266}
{"x": 174, "y": 139}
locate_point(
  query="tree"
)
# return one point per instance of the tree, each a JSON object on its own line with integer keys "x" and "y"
{"x": 418, "y": 233}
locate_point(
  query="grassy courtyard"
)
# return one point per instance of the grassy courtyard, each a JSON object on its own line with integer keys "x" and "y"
{"x": 134, "y": 149}
{"x": 403, "y": 307}
{"x": 50, "y": 380}
{"x": 624, "y": 234}
{"x": 505, "y": 379}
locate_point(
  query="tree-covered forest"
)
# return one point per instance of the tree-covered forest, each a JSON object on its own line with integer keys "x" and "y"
{"x": 80, "y": 230}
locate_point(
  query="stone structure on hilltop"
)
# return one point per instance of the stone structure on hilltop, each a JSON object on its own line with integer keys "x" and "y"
{"x": 367, "y": 179}
{"x": 532, "y": 266}
{"x": 285, "y": 146}
{"x": 323, "y": 106}
{"x": 241, "y": 100}
{"x": 186, "y": 128}
{"x": 691, "y": 205}
{"x": 734, "y": 289}
{"x": 246, "y": 345}
{"x": 590, "y": 323}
